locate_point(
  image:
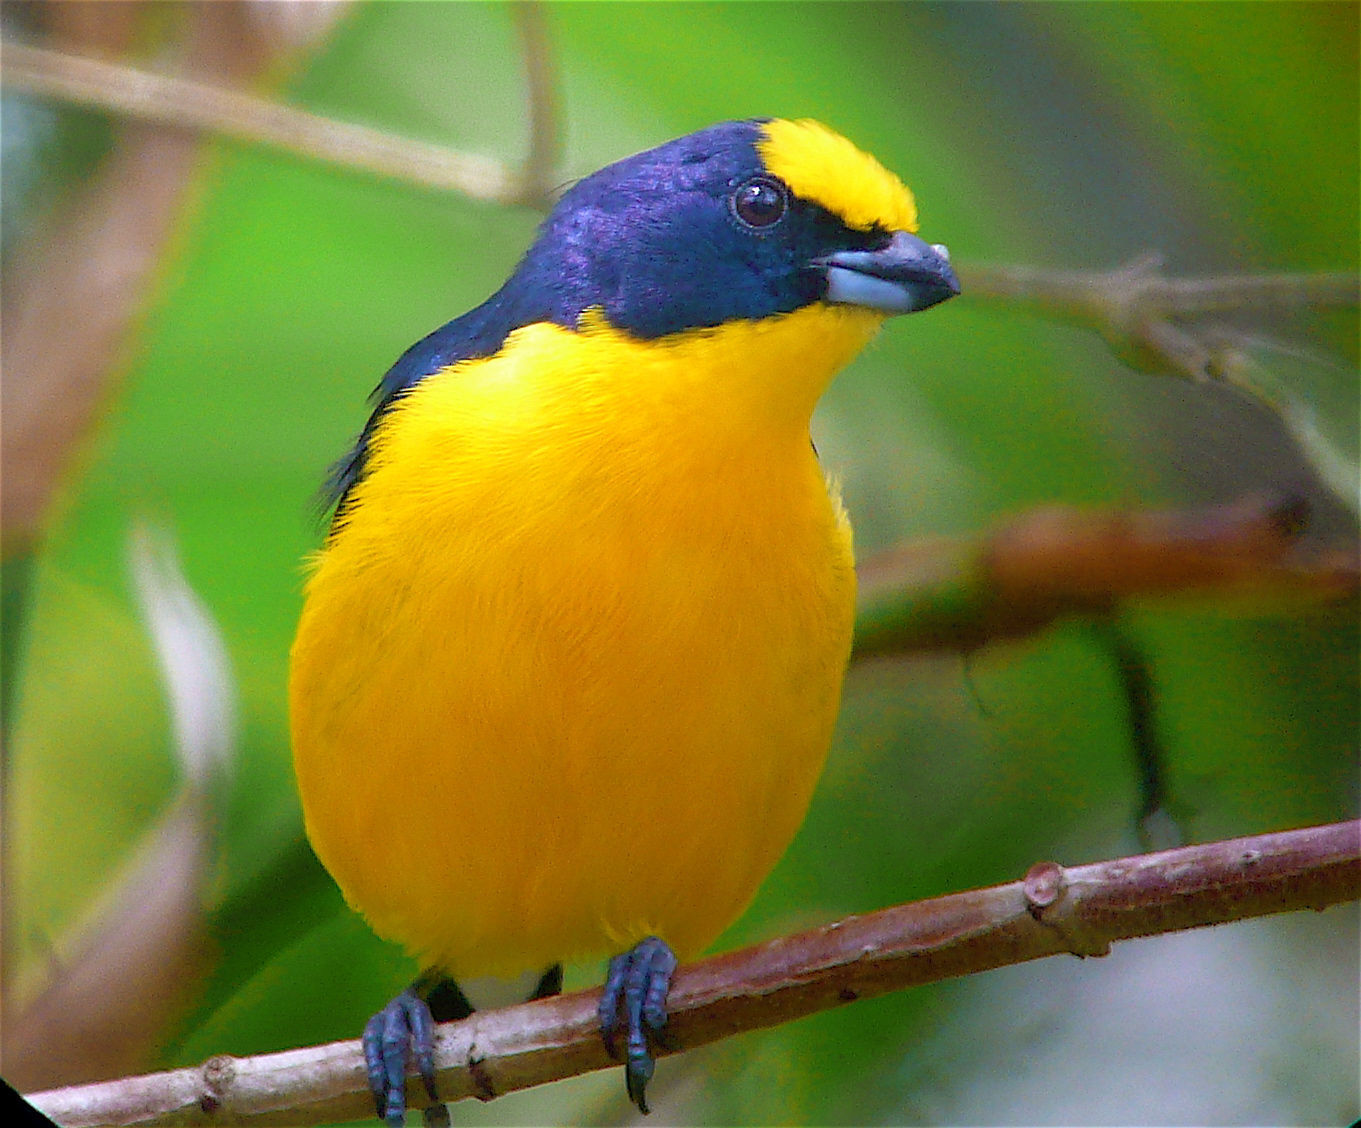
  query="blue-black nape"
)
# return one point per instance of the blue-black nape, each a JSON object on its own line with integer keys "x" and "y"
{"x": 656, "y": 242}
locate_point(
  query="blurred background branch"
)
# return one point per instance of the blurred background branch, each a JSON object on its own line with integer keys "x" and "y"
{"x": 961, "y": 593}
{"x": 199, "y": 106}
{"x": 94, "y": 279}
{"x": 1142, "y": 312}
{"x": 1160, "y": 324}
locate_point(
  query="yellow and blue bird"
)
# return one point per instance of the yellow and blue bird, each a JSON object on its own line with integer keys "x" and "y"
{"x": 571, "y": 655}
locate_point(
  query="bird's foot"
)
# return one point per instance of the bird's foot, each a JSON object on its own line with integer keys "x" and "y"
{"x": 637, "y": 980}
{"x": 400, "y": 1034}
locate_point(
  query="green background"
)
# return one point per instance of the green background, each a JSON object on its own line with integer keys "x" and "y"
{"x": 1074, "y": 135}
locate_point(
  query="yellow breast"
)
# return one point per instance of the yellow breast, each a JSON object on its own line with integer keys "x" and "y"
{"x": 568, "y": 669}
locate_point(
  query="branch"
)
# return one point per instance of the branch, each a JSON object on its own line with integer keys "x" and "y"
{"x": 1138, "y": 309}
{"x": 1094, "y": 293}
{"x": 167, "y": 100}
{"x": 545, "y": 109}
{"x": 1164, "y": 325}
{"x": 1081, "y": 911}
{"x": 961, "y": 593}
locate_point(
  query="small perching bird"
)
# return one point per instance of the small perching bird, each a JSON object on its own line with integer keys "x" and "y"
{"x": 571, "y": 655}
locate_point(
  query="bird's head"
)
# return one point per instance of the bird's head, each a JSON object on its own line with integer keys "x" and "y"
{"x": 740, "y": 221}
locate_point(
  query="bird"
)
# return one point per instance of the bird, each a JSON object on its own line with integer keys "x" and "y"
{"x": 571, "y": 652}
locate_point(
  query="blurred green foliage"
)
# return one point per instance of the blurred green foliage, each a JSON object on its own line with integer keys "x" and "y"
{"x": 1224, "y": 135}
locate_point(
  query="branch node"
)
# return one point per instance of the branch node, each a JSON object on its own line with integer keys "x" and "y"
{"x": 1044, "y": 884}
{"x": 218, "y": 1073}
{"x": 1047, "y": 894}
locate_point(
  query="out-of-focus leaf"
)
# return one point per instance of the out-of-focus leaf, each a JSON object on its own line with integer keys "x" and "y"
{"x": 116, "y": 985}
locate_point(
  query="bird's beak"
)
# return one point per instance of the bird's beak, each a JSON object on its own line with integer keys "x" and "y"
{"x": 906, "y": 276}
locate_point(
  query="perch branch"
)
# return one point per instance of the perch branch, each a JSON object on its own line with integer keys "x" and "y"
{"x": 1080, "y": 910}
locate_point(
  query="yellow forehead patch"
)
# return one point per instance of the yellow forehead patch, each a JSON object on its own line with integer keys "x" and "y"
{"x": 821, "y": 166}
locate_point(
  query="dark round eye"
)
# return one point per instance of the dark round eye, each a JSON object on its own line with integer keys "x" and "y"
{"x": 760, "y": 201}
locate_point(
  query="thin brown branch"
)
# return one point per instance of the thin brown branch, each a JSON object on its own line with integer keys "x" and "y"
{"x": 1141, "y": 283}
{"x": 1169, "y": 326}
{"x": 962, "y": 593}
{"x": 1081, "y": 910}
{"x": 90, "y": 266}
{"x": 181, "y": 102}
{"x": 1142, "y": 312}
{"x": 545, "y": 109}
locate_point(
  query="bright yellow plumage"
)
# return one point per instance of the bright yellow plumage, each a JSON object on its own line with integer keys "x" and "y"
{"x": 608, "y": 585}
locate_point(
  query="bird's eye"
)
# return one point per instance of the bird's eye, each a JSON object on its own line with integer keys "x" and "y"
{"x": 760, "y": 201}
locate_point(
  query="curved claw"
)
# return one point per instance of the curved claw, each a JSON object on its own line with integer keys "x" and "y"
{"x": 400, "y": 1033}
{"x": 639, "y": 979}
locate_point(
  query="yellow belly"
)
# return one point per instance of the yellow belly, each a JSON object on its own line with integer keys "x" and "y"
{"x": 567, "y": 673}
